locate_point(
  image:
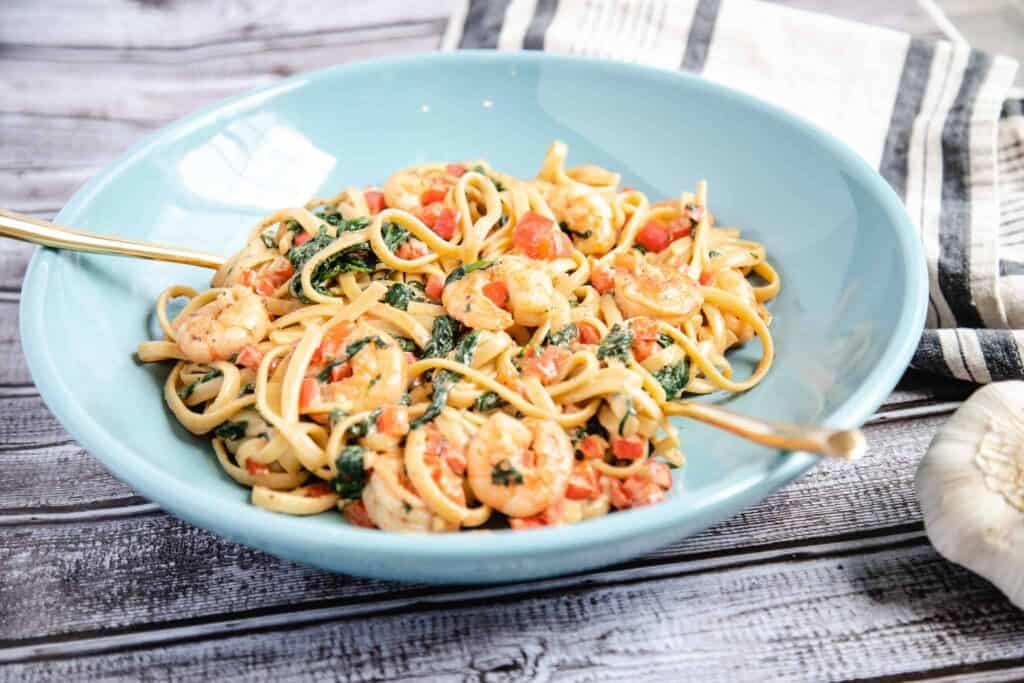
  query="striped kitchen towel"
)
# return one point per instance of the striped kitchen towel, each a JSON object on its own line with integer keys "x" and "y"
{"x": 932, "y": 117}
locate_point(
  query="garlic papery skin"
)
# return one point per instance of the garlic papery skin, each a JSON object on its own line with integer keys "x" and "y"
{"x": 971, "y": 487}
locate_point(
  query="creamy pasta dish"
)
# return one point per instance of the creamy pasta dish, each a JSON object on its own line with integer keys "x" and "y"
{"x": 461, "y": 347}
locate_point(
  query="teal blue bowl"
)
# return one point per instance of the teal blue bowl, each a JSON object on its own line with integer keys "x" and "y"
{"x": 849, "y": 315}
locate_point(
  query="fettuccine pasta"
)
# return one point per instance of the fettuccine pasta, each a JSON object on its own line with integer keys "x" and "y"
{"x": 460, "y": 343}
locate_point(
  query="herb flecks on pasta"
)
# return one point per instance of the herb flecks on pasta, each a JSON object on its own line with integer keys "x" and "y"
{"x": 461, "y": 342}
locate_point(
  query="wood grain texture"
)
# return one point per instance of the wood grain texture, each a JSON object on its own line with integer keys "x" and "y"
{"x": 896, "y": 611}
{"x": 828, "y": 579}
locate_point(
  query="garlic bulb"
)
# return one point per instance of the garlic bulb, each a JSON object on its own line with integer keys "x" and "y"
{"x": 971, "y": 487}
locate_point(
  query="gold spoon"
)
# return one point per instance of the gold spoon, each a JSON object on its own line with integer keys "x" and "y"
{"x": 845, "y": 444}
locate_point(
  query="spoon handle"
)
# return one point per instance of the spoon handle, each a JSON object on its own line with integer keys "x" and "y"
{"x": 50, "y": 234}
{"x": 844, "y": 444}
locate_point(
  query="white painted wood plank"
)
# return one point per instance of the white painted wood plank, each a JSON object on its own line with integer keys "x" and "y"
{"x": 884, "y": 612}
{"x": 174, "y": 24}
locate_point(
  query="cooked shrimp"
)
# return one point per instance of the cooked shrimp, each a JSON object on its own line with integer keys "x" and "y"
{"x": 375, "y": 376}
{"x": 515, "y": 290}
{"x": 519, "y": 467}
{"x": 221, "y": 328}
{"x": 391, "y": 502}
{"x": 411, "y": 188}
{"x": 586, "y": 213}
{"x": 647, "y": 289}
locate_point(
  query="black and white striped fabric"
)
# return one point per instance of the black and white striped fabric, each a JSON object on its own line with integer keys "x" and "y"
{"x": 933, "y": 118}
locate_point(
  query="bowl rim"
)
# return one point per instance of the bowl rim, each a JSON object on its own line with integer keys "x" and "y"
{"x": 276, "y": 533}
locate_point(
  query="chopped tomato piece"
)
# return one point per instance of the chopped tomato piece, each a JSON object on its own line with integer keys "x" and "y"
{"x": 374, "y": 201}
{"x": 331, "y": 344}
{"x": 642, "y": 349}
{"x": 538, "y": 237}
{"x": 653, "y": 236}
{"x": 429, "y": 213}
{"x": 431, "y": 195}
{"x": 521, "y": 523}
{"x": 627, "y": 188}
{"x": 603, "y": 278}
{"x": 679, "y": 227}
{"x": 445, "y": 224}
{"x": 309, "y": 393}
{"x": 592, "y": 446}
{"x": 706, "y": 277}
{"x": 646, "y": 487}
{"x": 588, "y": 334}
{"x": 253, "y": 467}
{"x": 340, "y": 372}
{"x": 412, "y": 249}
{"x": 278, "y": 273}
{"x": 435, "y": 285}
{"x": 644, "y": 328}
{"x": 249, "y": 357}
{"x": 301, "y": 238}
{"x": 454, "y": 458}
{"x": 455, "y": 169}
{"x": 548, "y": 365}
{"x": 584, "y": 482}
{"x": 356, "y": 514}
{"x": 629, "y": 448}
{"x": 318, "y": 489}
{"x": 393, "y": 421}
{"x": 247, "y": 278}
{"x": 497, "y": 292}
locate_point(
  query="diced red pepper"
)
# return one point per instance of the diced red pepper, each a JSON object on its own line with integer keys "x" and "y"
{"x": 356, "y": 513}
{"x": 309, "y": 393}
{"x": 548, "y": 365}
{"x": 538, "y": 237}
{"x": 645, "y": 487}
{"x": 249, "y": 357}
{"x": 301, "y": 239}
{"x": 247, "y": 278}
{"x": 455, "y": 169}
{"x": 497, "y": 291}
{"x": 435, "y": 286}
{"x": 445, "y": 224}
{"x": 629, "y": 448}
{"x": 706, "y": 277}
{"x": 412, "y": 249}
{"x": 431, "y": 195}
{"x": 393, "y": 421}
{"x": 374, "y": 201}
{"x": 653, "y": 236}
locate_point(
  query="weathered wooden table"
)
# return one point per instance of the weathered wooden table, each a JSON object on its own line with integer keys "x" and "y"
{"x": 831, "y": 578}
